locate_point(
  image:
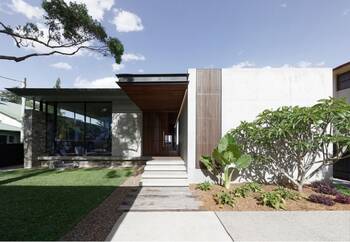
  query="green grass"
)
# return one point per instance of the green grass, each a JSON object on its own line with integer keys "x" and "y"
{"x": 43, "y": 204}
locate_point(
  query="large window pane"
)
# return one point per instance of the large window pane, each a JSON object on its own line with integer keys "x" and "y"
{"x": 70, "y": 129}
{"x": 98, "y": 128}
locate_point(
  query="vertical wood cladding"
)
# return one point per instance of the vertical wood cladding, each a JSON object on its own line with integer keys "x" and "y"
{"x": 208, "y": 111}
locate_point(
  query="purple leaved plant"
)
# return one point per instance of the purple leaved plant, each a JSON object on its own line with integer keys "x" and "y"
{"x": 322, "y": 199}
{"x": 340, "y": 198}
{"x": 324, "y": 188}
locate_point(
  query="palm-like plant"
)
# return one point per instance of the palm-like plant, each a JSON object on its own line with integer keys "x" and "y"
{"x": 225, "y": 159}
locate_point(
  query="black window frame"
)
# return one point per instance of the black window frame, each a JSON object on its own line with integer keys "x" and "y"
{"x": 343, "y": 84}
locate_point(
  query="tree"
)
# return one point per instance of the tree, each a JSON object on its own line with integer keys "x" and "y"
{"x": 10, "y": 97}
{"x": 70, "y": 29}
{"x": 296, "y": 143}
{"x": 57, "y": 83}
{"x": 225, "y": 159}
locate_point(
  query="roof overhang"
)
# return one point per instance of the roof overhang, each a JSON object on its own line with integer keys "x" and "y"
{"x": 341, "y": 69}
{"x": 70, "y": 94}
{"x": 155, "y": 92}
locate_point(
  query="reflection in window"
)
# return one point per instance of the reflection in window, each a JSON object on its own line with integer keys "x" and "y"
{"x": 98, "y": 128}
{"x": 70, "y": 129}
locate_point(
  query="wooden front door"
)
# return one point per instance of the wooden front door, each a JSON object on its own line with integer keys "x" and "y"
{"x": 159, "y": 134}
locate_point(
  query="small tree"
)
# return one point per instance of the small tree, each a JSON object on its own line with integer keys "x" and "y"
{"x": 70, "y": 29}
{"x": 225, "y": 159}
{"x": 298, "y": 142}
{"x": 57, "y": 83}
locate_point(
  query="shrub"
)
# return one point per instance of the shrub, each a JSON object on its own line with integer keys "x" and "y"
{"x": 272, "y": 199}
{"x": 225, "y": 159}
{"x": 340, "y": 198}
{"x": 324, "y": 188}
{"x": 225, "y": 198}
{"x": 322, "y": 199}
{"x": 287, "y": 194}
{"x": 343, "y": 189}
{"x": 204, "y": 186}
{"x": 293, "y": 142}
{"x": 244, "y": 190}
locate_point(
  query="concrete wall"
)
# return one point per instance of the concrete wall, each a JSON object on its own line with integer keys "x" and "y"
{"x": 126, "y": 129}
{"x": 10, "y": 121}
{"x": 247, "y": 92}
{"x": 34, "y": 137}
{"x": 183, "y": 131}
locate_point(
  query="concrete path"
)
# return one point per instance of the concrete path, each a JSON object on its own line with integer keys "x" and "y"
{"x": 160, "y": 199}
{"x": 169, "y": 226}
{"x": 233, "y": 226}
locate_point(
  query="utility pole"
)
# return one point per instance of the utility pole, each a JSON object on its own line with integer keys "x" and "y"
{"x": 23, "y": 107}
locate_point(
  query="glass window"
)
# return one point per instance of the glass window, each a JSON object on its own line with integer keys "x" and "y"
{"x": 98, "y": 128}
{"x": 3, "y": 139}
{"x": 343, "y": 81}
{"x": 11, "y": 139}
{"x": 70, "y": 129}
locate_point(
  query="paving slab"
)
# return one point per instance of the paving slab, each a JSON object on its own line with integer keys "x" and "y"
{"x": 287, "y": 226}
{"x": 169, "y": 226}
{"x": 161, "y": 199}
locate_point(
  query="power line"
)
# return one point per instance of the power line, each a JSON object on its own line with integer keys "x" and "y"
{"x": 11, "y": 79}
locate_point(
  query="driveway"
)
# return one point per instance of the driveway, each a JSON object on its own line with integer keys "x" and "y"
{"x": 233, "y": 226}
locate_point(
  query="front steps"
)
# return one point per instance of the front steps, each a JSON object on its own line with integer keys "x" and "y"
{"x": 165, "y": 173}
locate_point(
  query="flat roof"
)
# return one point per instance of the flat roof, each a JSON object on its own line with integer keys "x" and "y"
{"x": 153, "y": 78}
{"x": 70, "y": 94}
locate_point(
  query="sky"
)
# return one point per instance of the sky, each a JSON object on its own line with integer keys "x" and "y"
{"x": 164, "y": 36}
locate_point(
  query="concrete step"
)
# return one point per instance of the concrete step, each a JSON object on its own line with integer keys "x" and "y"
{"x": 165, "y": 168}
{"x": 165, "y": 162}
{"x": 164, "y": 182}
{"x": 164, "y": 174}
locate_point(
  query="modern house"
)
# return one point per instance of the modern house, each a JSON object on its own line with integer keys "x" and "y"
{"x": 10, "y": 123}
{"x": 160, "y": 115}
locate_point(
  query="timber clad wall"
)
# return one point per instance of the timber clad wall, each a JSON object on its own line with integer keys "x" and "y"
{"x": 208, "y": 111}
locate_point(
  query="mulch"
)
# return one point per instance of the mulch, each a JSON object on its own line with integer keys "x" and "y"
{"x": 251, "y": 202}
{"x": 97, "y": 224}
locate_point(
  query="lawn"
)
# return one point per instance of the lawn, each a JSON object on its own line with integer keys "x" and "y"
{"x": 43, "y": 204}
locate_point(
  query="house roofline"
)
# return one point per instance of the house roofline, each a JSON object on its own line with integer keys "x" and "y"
{"x": 123, "y": 75}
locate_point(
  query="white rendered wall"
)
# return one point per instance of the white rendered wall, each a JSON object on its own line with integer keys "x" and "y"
{"x": 247, "y": 92}
{"x": 126, "y": 130}
{"x": 10, "y": 121}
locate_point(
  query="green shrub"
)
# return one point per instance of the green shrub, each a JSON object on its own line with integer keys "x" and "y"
{"x": 254, "y": 187}
{"x": 204, "y": 186}
{"x": 225, "y": 198}
{"x": 287, "y": 193}
{"x": 343, "y": 189}
{"x": 272, "y": 199}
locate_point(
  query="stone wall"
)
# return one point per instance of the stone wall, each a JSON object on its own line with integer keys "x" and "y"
{"x": 34, "y": 137}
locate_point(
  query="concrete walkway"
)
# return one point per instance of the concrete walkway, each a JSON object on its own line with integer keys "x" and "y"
{"x": 160, "y": 199}
{"x": 233, "y": 226}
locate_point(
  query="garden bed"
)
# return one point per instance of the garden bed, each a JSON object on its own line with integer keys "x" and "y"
{"x": 252, "y": 203}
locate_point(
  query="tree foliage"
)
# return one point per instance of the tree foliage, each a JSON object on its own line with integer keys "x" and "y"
{"x": 225, "y": 159}
{"x": 10, "y": 97}
{"x": 70, "y": 29}
{"x": 296, "y": 143}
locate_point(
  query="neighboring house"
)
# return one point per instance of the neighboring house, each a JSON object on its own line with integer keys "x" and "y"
{"x": 160, "y": 115}
{"x": 10, "y": 123}
{"x": 341, "y": 86}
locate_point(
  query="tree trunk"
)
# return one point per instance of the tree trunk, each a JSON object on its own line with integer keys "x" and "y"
{"x": 300, "y": 187}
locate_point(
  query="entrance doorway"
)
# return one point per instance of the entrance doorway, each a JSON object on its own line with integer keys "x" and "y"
{"x": 159, "y": 134}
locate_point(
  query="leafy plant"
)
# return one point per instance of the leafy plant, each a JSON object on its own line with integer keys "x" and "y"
{"x": 322, "y": 199}
{"x": 225, "y": 198}
{"x": 294, "y": 142}
{"x": 204, "y": 186}
{"x": 225, "y": 159}
{"x": 340, "y": 198}
{"x": 272, "y": 199}
{"x": 244, "y": 190}
{"x": 343, "y": 189}
{"x": 68, "y": 30}
{"x": 286, "y": 193}
{"x": 324, "y": 188}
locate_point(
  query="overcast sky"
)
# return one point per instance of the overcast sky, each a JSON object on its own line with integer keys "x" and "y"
{"x": 168, "y": 36}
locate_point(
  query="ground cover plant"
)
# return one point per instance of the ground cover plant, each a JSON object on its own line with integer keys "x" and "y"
{"x": 322, "y": 199}
{"x": 293, "y": 144}
{"x": 226, "y": 158}
{"x": 43, "y": 204}
{"x": 343, "y": 189}
{"x": 204, "y": 186}
{"x": 324, "y": 188}
{"x": 225, "y": 198}
{"x": 340, "y": 198}
{"x": 272, "y": 199}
